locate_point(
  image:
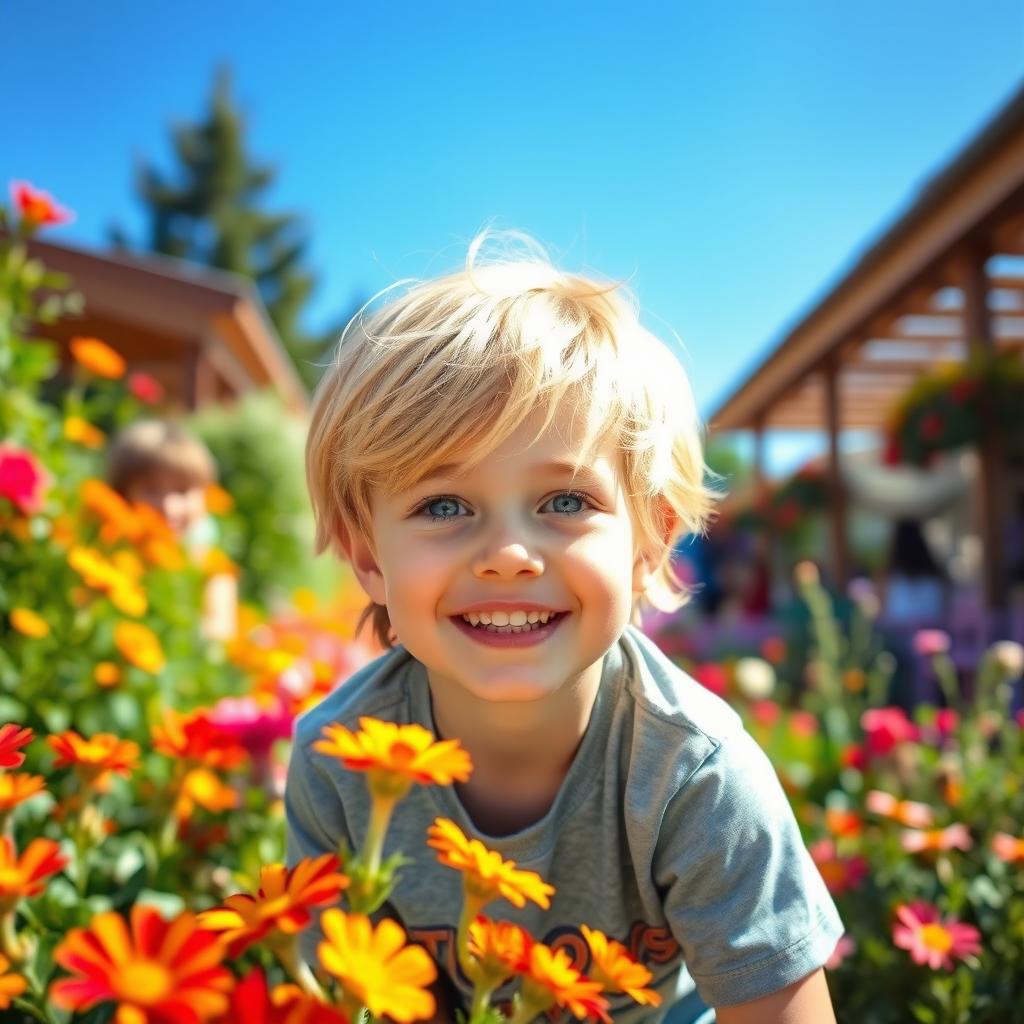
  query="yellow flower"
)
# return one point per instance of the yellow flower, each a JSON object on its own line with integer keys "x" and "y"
{"x": 376, "y": 968}
{"x": 396, "y": 756}
{"x": 107, "y": 673}
{"x": 103, "y": 575}
{"x": 11, "y": 985}
{"x": 83, "y": 432}
{"x": 139, "y": 646}
{"x": 29, "y": 624}
{"x": 98, "y": 357}
{"x": 616, "y": 970}
{"x": 497, "y": 950}
{"x": 203, "y": 787}
{"x": 485, "y": 875}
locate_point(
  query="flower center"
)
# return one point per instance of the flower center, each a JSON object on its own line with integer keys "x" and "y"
{"x": 143, "y": 982}
{"x": 934, "y": 936}
{"x": 401, "y": 754}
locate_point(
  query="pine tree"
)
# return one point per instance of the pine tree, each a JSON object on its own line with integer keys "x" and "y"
{"x": 209, "y": 211}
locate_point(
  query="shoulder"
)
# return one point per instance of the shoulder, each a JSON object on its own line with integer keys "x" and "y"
{"x": 377, "y": 690}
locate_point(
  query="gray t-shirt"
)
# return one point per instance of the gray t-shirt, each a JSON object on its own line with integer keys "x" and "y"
{"x": 670, "y": 833}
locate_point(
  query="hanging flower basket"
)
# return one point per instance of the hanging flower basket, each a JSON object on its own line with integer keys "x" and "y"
{"x": 949, "y": 408}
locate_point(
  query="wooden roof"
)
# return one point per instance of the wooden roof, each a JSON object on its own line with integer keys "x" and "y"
{"x": 900, "y": 309}
{"x": 202, "y": 332}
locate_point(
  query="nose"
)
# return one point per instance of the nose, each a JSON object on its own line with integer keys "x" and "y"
{"x": 508, "y": 558}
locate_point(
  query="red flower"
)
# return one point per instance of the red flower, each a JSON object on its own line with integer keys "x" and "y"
{"x": 840, "y": 873}
{"x": 893, "y": 453}
{"x": 12, "y": 738}
{"x": 712, "y": 677}
{"x": 931, "y": 427}
{"x": 884, "y": 728}
{"x": 773, "y": 649}
{"x": 36, "y": 206}
{"x": 145, "y": 388}
{"x": 21, "y": 479}
{"x": 964, "y": 389}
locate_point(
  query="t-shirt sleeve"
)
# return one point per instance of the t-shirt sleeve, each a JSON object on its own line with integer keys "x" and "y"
{"x": 741, "y": 893}
{"x": 315, "y": 823}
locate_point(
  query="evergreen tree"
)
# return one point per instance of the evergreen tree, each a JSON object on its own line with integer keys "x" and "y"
{"x": 209, "y": 211}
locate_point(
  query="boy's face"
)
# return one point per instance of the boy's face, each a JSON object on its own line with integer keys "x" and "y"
{"x": 516, "y": 533}
{"x": 178, "y": 497}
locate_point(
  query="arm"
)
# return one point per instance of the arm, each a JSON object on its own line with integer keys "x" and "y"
{"x": 804, "y": 1002}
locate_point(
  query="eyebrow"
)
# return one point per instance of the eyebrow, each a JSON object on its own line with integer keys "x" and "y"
{"x": 453, "y": 470}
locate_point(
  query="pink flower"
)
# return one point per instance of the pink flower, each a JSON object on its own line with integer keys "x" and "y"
{"x": 22, "y": 479}
{"x": 931, "y": 939}
{"x": 712, "y": 677}
{"x": 886, "y": 727}
{"x": 906, "y": 812}
{"x": 929, "y": 642}
{"x": 803, "y": 723}
{"x": 844, "y": 947}
{"x": 840, "y": 873}
{"x": 953, "y": 837}
{"x": 946, "y": 721}
{"x": 765, "y": 712}
{"x": 36, "y": 206}
{"x": 253, "y": 725}
{"x": 145, "y": 388}
{"x": 1008, "y": 848}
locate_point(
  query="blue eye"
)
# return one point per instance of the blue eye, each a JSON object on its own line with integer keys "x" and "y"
{"x": 441, "y": 508}
{"x": 567, "y": 504}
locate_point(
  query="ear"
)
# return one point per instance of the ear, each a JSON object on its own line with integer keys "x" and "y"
{"x": 649, "y": 558}
{"x": 360, "y": 555}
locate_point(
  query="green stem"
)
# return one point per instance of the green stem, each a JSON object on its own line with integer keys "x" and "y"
{"x": 373, "y": 848}
{"x": 945, "y": 673}
{"x": 299, "y": 971}
{"x": 471, "y": 906}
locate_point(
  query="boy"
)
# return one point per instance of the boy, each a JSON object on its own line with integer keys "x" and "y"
{"x": 506, "y": 458}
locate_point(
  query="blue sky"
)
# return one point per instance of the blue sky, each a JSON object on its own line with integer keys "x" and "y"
{"x": 729, "y": 159}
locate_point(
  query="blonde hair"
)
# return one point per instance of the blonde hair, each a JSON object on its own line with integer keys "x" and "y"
{"x": 149, "y": 445}
{"x": 451, "y": 367}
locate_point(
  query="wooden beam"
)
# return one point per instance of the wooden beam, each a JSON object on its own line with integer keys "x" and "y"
{"x": 836, "y": 495}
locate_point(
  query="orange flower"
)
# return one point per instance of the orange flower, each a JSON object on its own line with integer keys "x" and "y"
{"x": 280, "y": 905}
{"x": 1007, "y": 848}
{"x": 82, "y": 432}
{"x": 16, "y": 789}
{"x": 25, "y": 876}
{"x": 497, "y": 950}
{"x": 195, "y": 738}
{"x": 841, "y": 822}
{"x": 906, "y": 812}
{"x": 376, "y": 968}
{"x": 159, "y": 972}
{"x": 98, "y": 357}
{"x": 120, "y": 587}
{"x": 616, "y": 971}
{"x": 107, "y": 673}
{"x": 95, "y": 760}
{"x": 37, "y": 208}
{"x": 396, "y": 756}
{"x": 201, "y": 786}
{"x": 550, "y": 980}
{"x": 485, "y": 875}
{"x": 11, "y": 985}
{"x": 954, "y": 837}
{"x": 218, "y": 501}
{"x": 119, "y": 518}
{"x": 139, "y": 646}
{"x": 27, "y": 623}
{"x": 12, "y": 739}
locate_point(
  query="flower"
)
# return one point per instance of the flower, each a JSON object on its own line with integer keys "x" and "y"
{"x": 953, "y": 837}
{"x": 550, "y": 980}
{"x": 841, "y": 874}
{"x": 930, "y": 642}
{"x": 844, "y": 947}
{"x": 158, "y": 972}
{"x": 376, "y": 968}
{"x": 27, "y": 623}
{"x": 37, "y": 208}
{"x": 94, "y": 760}
{"x": 17, "y": 788}
{"x": 251, "y": 1003}
{"x": 280, "y": 905}
{"x": 842, "y": 822}
{"x": 803, "y": 723}
{"x": 195, "y": 737}
{"x": 906, "y": 812}
{"x": 765, "y": 712}
{"x": 932, "y": 940}
{"x": 755, "y": 678}
{"x": 1008, "y": 848}
{"x": 219, "y": 502}
{"x": 616, "y": 971}
{"x": 104, "y": 575}
{"x": 118, "y": 517}
{"x": 107, "y": 673}
{"x": 497, "y": 950}
{"x": 773, "y": 649}
{"x": 21, "y": 479}
{"x": 396, "y": 756}
{"x": 712, "y": 677}
{"x": 884, "y": 728}
{"x": 1009, "y": 656}
{"x": 98, "y": 357}
{"x": 25, "y": 876}
{"x": 145, "y": 388}
{"x": 11, "y": 985}
{"x": 139, "y": 646}
{"x": 12, "y": 739}
{"x": 82, "y": 432}
{"x": 486, "y": 875}
{"x": 201, "y": 786}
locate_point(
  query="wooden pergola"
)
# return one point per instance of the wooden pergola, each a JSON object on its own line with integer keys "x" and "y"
{"x": 204, "y": 334}
{"x": 932, "y": 289}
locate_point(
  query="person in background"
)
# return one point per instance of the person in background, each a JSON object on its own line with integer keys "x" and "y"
{"x": 160, "y": 464}
{"x": 915, "y": 587}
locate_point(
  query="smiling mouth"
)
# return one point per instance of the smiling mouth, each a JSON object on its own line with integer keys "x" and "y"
{"x": 509, "y": 622}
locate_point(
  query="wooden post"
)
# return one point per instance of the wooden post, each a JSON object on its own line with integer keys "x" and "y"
{"x": 836, "y": 491}
{"x": 992, "y": 497}
{"x": 200, "y": 379}
{"x": 765, "y": 552}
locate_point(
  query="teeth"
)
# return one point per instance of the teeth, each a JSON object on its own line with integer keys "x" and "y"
{"x": 474, "y": 619}
{"x": 533, "y": 617}
{"x": 514, "y": 622}
{"x": 517, "y": 618}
